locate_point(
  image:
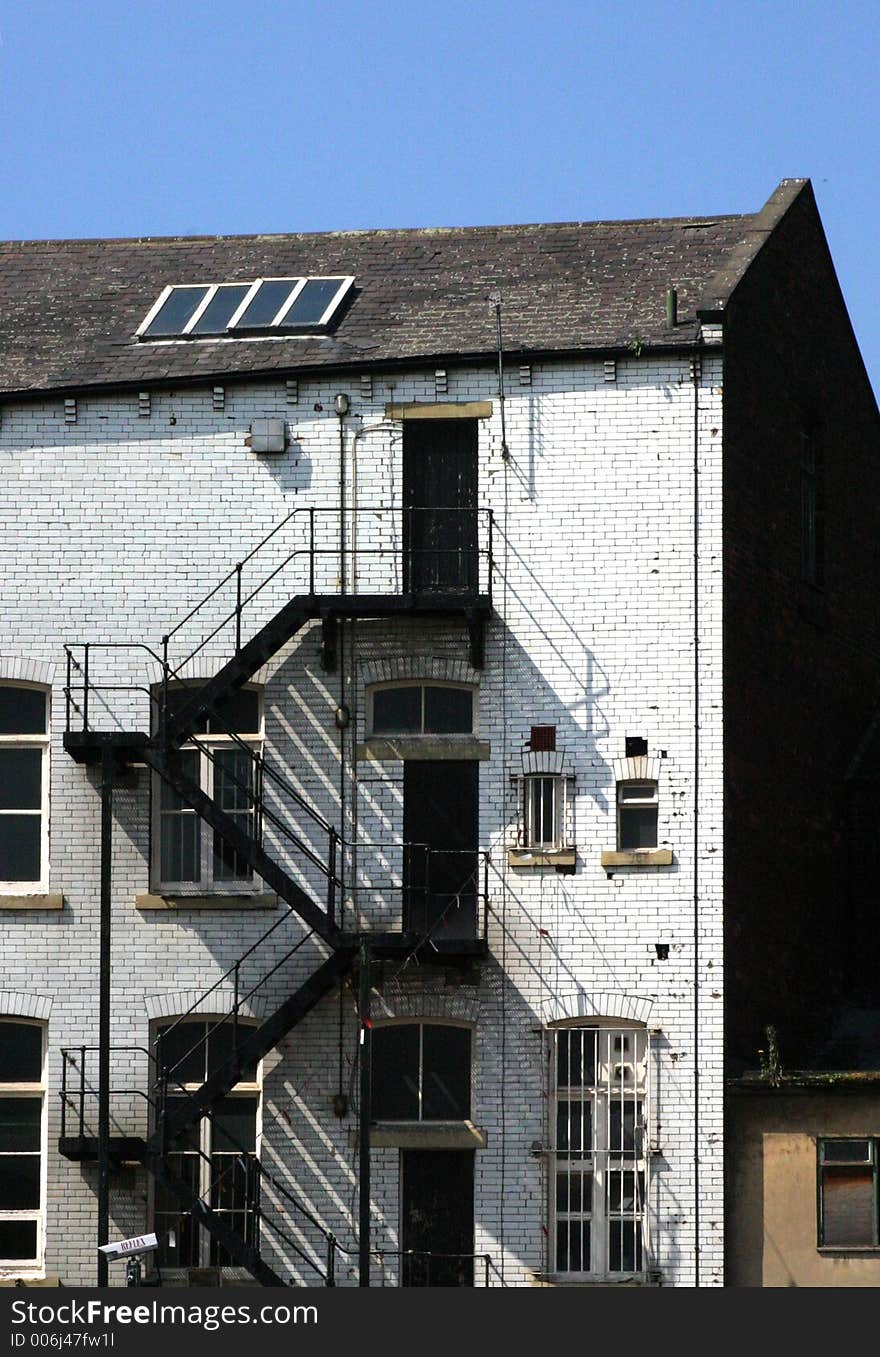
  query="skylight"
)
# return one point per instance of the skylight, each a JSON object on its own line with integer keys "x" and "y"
{"x": 269, "y": 305}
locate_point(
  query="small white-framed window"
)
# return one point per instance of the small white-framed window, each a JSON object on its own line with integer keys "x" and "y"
{"x": 219, "y": 1155}
{"x": 22, "y": 1146}
{"x": 637, "y": 811}
{"x": 223, "y": 757}
{"x": 598, "y": 1175}
{"x": 421, "y": 709}
{"x": 24, "y": 788}
{"x": 545, "y": 810}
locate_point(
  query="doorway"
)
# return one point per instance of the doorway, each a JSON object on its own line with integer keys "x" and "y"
{"x": 437, "y": 1217}
{"x": 440, "y": 505}
{"x": 441, "y": 831}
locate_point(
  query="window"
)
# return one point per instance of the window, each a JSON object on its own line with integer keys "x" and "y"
{"x": 421, "y": 709}
{"x": 22, "y": 1100}
{"x": 282, "y": 305}
{"x": 421, "y": 1072}
{"x": 545, "y": 811}
{"x": 24, "y": 787}
{"x": 848, "y": 1202}
{"x": 188, "y": 855}
{"x": 598, "y": 1178}
{"x": 812, "y": 509}
{"x": 218, "y": 1157}
{"x": 637, "y": 804}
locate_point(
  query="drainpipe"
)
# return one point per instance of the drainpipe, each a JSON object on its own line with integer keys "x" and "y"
{"x": 104, "y": 1010}
{"x": 341, "y": 405}
{"x": 366, "y": 1113}
{"x": 695, "y": 376}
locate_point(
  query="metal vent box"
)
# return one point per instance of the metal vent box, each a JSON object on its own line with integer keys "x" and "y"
{"x": 268, "y": 435}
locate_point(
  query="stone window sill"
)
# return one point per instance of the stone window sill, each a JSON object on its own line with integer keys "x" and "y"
{"x": 559, "y": 1279}
{"x": 638, "y": 857}
{"x": 849, "y": 1250}
{"x": 54, "y": 901}
{"x": 225, "y": 902}
{"x": 383, "y": 749}
{"x": 424, "y": 1135}
{"x": 549, "y": 857}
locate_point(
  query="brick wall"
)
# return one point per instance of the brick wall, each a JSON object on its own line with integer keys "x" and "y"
{"x": 800, "y": 661}
{"x": 122, "y": 522}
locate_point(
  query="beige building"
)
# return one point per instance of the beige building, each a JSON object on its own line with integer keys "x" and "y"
{"x": 802, "y": 1180}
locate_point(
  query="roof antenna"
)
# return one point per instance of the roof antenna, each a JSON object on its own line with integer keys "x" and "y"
{"x": 495, "y": 299}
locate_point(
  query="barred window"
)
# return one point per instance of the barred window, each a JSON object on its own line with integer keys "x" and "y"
{"x": 598, "y": 1177}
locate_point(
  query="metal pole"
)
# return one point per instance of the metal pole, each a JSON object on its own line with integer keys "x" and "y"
{"x": 238, "y": 608}
{"x": 366, "y": 1115}
{"x": 104, "y": 1010}
{"x": 86, "y": 686}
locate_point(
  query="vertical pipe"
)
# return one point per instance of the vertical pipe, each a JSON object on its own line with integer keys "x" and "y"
{"x": 82, "y": 1090}
{"x": 63, "y": 1094}
{"x": 104, "y": 1010}
{"x": 67, "y": 693}
{"x": 341, "y": 504}
{"x": 86, "y": 686}
{"x": 163, "y": 715}
{"x": 695, "y": 372}
{"x": 235, "y": 1009}
{"x": 312, "y": 551}
{"x": 491, "y": 553}
{"x": 238, "y": 607}
{"x": 505, "y": 451}
{"x": 365, "y": 1117}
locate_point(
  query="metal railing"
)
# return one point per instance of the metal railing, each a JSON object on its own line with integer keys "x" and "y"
{"x": 456, "y": 916}
{"x": 391, "y": 550}
{"x": 426, "y": 1268}
{"x": 243, "y": 1165}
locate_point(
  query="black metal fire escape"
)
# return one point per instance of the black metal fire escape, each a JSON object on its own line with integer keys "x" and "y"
{"x": 254, "y": 639}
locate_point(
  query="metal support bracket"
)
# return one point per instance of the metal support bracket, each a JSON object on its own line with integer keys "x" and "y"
{"x": 329, "y": 633}
{"x": 476, "y": 625}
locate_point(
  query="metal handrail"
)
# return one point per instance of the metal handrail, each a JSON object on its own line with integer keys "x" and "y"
{"x": 252, "y": 1159}
{"x": 338, "y": 551}
{"x": 485, "y": 1258}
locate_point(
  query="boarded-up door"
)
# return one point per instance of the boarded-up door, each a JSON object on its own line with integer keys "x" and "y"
{"x": 437, "y": 1209}
{"x": 441, "y": 829}
{"x": 440, "y": 504}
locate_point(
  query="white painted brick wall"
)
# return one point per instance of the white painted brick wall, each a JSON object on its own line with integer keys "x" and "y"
{"x": 116, "y": 525}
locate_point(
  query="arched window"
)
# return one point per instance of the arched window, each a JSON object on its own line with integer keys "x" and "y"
{"x": 218, "y": 1156}
{"x": 22, "y": 1145}
{"x": 421, "y": 1072}
{"x": 598, "y": 1151}
{"x": 24, "y": 788}
{"x": 420, "y": 709}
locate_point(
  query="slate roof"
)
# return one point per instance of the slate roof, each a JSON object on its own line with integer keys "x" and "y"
{"x": 69, "y": 309}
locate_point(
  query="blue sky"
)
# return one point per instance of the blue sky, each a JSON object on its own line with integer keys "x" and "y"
{"x": 158, "y": 118}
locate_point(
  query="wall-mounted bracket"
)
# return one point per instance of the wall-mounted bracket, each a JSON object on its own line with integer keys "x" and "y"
{"x": 329, "y": 631}
{"x": 476, "y": 625}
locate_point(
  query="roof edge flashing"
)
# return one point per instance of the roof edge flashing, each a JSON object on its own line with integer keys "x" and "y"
{"x": 722, "y": 287}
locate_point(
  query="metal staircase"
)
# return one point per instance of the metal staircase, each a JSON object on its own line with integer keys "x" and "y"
{"x": 239, "y": 639}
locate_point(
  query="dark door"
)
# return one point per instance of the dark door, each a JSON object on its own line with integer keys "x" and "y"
{"x": 437, "y": 1196}
{"x": 440, "y": 832}
{"x": 440, "y": 504}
